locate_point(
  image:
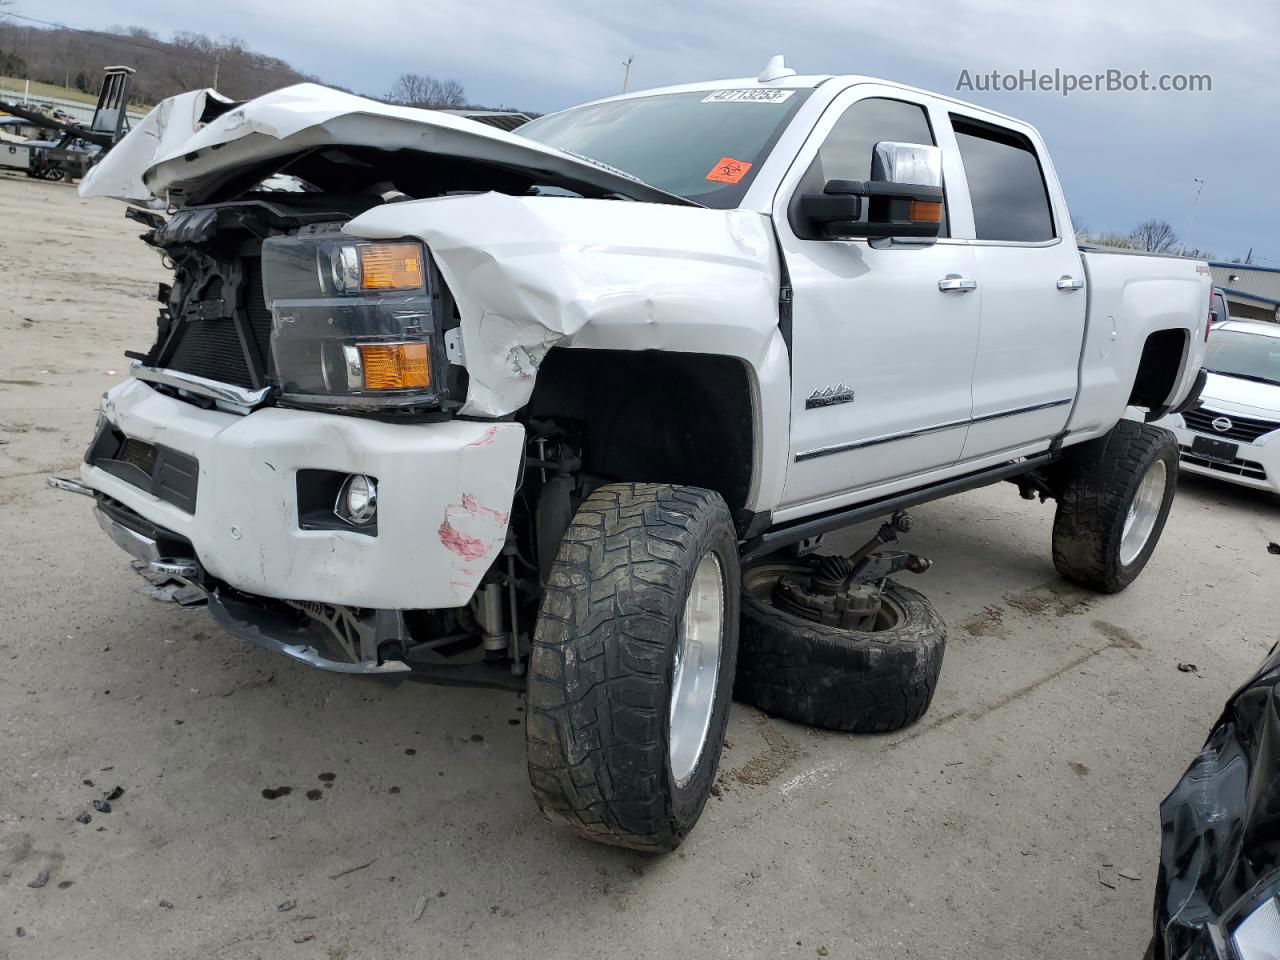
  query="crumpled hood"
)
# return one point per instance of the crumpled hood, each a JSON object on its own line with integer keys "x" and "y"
{"x": 190, "y": 144}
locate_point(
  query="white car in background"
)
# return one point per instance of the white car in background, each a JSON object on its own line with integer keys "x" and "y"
{"x": 1234, "y": 431}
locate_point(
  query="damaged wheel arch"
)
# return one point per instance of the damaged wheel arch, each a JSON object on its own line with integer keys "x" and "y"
{"x": 658, "y": 417}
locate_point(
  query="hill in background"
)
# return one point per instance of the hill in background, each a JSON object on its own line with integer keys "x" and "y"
{"x": 68, "y": 58}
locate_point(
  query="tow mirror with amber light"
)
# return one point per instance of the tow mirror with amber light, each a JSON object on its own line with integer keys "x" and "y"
{"x": 902, "y": 200}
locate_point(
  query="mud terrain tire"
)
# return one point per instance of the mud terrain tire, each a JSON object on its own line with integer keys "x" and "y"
{"x": 604, "y": 664}
{"x": 1123, "y": 479}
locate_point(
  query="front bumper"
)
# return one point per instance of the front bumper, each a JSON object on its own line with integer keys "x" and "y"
{"x": 1257, "y": 465}
{"x": 444, "y": 492}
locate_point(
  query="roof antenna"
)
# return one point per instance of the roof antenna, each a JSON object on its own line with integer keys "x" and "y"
{"x": 775, "y": 69}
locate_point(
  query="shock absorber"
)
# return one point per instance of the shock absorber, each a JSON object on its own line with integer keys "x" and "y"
{"x": 494, "y": 637}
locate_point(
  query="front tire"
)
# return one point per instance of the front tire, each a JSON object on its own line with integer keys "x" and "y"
{"x": 631, "y": 672}
{"x": 1113, "y": 506}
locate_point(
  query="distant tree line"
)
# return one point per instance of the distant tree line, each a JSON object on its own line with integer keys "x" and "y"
{"x": 187, "y": 61}
{"x": 421, "y": 90}
{"x": 1150, "y": 236}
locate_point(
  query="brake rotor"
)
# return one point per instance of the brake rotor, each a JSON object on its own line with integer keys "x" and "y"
{"x": 827, "y": 596}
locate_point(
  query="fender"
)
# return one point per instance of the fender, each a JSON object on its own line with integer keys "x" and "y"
{"x": 1131, "y": 297}
{"x": 532, "y": 273}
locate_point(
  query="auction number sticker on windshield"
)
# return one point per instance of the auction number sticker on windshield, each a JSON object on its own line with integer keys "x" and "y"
{"x": 728, "y": 170}
{"x": 766, "y": 95}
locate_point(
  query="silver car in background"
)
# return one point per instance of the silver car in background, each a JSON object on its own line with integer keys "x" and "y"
{"x": 1233, "y": 432}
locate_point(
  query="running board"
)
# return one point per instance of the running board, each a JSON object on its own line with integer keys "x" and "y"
{"x": 785, "y": 534}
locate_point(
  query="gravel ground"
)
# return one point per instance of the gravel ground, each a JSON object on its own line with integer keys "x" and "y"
{"x": 272, "y": 811}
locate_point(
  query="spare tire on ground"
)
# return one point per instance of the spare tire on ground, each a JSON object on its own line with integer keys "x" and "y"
{"x": 863, "y": 681}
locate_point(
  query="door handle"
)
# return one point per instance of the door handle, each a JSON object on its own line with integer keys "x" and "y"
{"x": 1069, "y": 283}
{"x": 953, "y": 283}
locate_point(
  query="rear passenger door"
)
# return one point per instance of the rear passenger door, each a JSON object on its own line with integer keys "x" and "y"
{"x": 1032, "y": 285}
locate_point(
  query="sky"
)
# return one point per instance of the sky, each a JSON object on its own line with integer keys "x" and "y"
{"x": 1122, "y": 157}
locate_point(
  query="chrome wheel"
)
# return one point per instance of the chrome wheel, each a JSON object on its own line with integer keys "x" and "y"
{"x": 697, "y": 668}
{"x": 1144, "y": 510}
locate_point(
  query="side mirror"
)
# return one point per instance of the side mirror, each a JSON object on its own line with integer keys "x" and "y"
{"x": 903, "y": 197}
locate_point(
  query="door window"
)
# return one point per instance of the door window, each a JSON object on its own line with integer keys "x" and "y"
{"x": 846, "y": 153}
{"x": 1006, "y": 184}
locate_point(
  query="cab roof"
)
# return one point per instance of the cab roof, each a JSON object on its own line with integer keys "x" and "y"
{"x": 797, "y": 82}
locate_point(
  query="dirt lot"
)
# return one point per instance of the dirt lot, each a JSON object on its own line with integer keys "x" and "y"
{"x": 996, "y": 827}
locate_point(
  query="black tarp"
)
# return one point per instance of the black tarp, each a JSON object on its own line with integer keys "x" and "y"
{"x": 1221, "y": 823}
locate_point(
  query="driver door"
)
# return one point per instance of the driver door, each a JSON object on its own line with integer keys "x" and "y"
{"x": 883, "y": 349}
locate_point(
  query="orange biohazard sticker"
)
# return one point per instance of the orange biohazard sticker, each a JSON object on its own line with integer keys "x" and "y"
{"x": 728, "y": 170}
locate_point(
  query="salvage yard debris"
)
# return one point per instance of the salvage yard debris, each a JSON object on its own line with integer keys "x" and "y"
{"x": 360, "y": 866}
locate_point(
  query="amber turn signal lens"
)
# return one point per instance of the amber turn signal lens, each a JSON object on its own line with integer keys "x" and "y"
{"x": 390, "y": 266}
{"x": 925, "y": 211}
{"x": 395, "y": 366}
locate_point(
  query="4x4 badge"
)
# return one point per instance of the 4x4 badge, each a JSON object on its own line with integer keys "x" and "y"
{"x": 829, "y": 396}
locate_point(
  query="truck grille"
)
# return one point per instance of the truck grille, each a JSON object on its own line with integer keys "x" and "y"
{"x": 1243, "y": 429}
{"x": 212, "y": 347}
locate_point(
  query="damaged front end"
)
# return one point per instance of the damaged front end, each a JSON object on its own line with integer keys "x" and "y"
{"x": 270, "y": 298}
{"x": 1218, "y": 890}
{"x": 329, "y": 437}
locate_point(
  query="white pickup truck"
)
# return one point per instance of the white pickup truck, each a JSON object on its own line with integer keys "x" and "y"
{"x": 547, "y": 410}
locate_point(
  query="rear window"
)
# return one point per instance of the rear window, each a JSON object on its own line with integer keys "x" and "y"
{"x": 1006, "y": 185}
{"x": 706, "y": 146}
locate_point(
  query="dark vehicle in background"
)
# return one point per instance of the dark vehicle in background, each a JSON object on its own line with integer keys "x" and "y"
{"x": 67, "y": 158}
{"x": 64, "y": 149}
{"x": 1218, "y": 889}
{"x": 1218, "y": 311}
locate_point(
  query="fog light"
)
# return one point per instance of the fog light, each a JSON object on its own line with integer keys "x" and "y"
{"x": 358, "y": 499}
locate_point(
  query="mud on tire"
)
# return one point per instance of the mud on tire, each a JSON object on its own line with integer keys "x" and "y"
{"x": 1102, "y": 480}
{"x": 601, "y": 668}
{"x": 859, "y": 681}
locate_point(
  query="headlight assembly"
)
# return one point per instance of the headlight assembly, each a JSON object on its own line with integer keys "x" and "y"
{"x": 354, "y": 323}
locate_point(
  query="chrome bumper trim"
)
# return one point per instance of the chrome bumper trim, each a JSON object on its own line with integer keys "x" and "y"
{"x": 141, "y": 547}
{"x": 68, "y": 485}
{"x": 210, "y": 389}
{"x": 130, "y": 541}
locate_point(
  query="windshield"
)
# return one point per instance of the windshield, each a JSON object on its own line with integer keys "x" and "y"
{"x": 705, "y": 146}
{"x": 1253, "y": 356}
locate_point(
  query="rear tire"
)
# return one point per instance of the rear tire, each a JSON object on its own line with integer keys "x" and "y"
{"x": 1114, "y": 504}
{"x": 858, "y": 681}
{"x": 608, "y": 756}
